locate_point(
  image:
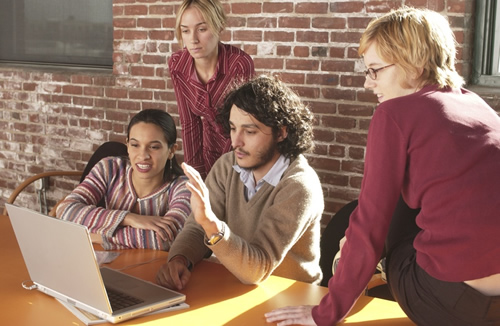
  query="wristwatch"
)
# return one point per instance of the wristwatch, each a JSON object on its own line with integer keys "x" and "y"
{"x": 214, "y": 238}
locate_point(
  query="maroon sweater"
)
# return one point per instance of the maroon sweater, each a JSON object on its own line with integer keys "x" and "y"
{"x": 441, "y": 150}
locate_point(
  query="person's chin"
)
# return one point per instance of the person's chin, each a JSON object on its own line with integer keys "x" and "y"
{"x": 242, "y": 163}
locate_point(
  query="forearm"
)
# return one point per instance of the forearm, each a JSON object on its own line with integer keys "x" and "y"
{"x": 133, "y": 238}
{"x": 250, "y": 264}
{"x": 190, "y": 242}
{"x": 97, "y": 219}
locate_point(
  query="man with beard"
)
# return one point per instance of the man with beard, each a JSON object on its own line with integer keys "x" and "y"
{"x": 259, "y": 211}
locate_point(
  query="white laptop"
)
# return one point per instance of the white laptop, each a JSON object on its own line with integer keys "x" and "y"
{"x": 62, "y": 263}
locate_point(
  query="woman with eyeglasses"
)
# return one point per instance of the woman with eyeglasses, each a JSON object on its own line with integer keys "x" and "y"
{"x": 202, "y": 72}
{"x": 429, "y": 186}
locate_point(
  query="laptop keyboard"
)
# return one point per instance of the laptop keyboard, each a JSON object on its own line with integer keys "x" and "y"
{"x": 119, "y": 300}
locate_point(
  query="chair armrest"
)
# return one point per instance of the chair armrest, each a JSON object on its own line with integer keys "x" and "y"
{"x": 32, "y": 179}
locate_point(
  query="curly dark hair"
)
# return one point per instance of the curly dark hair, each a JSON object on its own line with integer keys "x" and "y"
{"x": 274, "y": 104}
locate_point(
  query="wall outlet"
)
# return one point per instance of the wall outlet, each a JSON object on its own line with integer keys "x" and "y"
{"x": 38, "y": 184}
{"x": 41, "y": 184}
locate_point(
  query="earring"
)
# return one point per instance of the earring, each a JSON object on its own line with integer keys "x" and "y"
{"x": 171, "y": 163}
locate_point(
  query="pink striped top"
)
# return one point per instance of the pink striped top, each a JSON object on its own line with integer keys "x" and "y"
{"x": 202, "y": 138}
{"x": 111, "y": 178}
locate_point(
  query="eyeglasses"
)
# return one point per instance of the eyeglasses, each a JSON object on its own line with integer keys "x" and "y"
{"x": 373, "y": 72}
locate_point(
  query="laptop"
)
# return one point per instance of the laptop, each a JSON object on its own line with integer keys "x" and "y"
{"x": 62, "y": 263}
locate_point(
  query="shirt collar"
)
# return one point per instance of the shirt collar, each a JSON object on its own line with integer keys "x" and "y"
{"x": 221, "y": 69}
{"x": 272, "y": 177}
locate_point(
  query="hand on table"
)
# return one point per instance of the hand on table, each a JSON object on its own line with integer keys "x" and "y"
{"x": 299, "y": 315}
{"x": 174, "y": 274}
{"x": 165, "y": 226}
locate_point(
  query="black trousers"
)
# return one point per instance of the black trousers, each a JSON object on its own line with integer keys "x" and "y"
{"x": 426, "y": 300}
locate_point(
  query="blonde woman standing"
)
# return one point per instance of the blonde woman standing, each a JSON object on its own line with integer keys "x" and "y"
{"x": 202, "y": 72}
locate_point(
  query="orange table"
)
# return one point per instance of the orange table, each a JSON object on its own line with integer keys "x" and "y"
{"x": 215, "y": 296}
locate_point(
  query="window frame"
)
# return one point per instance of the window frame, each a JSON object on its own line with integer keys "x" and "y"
{"x": 487, "y": 44}
{"x": 71, "y": 59}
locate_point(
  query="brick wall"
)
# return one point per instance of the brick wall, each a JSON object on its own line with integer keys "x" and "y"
{"x": 53, "y": 119}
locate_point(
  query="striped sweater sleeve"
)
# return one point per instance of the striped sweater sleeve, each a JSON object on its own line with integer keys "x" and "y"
{"x": 176, "y": 202}
{"x": 80, "y": 206}
{"x": 109, "y": 179}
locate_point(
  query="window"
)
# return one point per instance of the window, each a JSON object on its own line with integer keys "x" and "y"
{"x": 487, "y": 43}
{"x": 67, "y": 32}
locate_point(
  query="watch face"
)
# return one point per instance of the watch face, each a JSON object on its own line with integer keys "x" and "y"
{"x": 215, "y": 238}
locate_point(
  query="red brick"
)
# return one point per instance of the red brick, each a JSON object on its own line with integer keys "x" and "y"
{"x": 355, "y": 110}
{"x": 116, "y": 93}
{"x": 268, "y": 63}
{"x": 124, "y": 22}
{"x": 71, "y": 89}
{"x": 324, "y": 163}
{"x": 283, "y": 50}
{"x": 83, "y": 101}
{"x": 29, "y": 86}
{"x": 338, "y": 122}
{"x": 324, "y": 135}
{"x": 135, "y": 10}
{"x": 356, "y": 153}
{"x": 351, "y": 138}
{"x": 154, "y": 59}
{"x": 294, "y": 22}
{"x": 311, "y": 7}
{"x": 142, "y": 71}
{"x": 322, "y": 79}
{"x": 161, "y": 10}
{"x": 129, "y": 105}
{"x": 277, "y": 7}
{"x": 105, "y": 103}
{"x": 296, "y": 64}
{"x": 153, "y": 83}
{"x": 337, "y": 7}
{"x": 257, "y": 22}
{"x": 248, "y": 36}
{"x": 135, "y": 35}
{"x": 149, "y": 22}
{"x": 140, "y": 95}
{"x": 93, "y": 91}
{"x": 301, "y": 51}
{"x": 329, "y": 23}
{"x": 246, "y": 8}
{"x": 161, "y": 35}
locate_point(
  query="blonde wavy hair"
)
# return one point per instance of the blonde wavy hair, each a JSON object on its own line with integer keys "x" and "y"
{"x": 212, "y": 12}
{"x": 415, "y": 40}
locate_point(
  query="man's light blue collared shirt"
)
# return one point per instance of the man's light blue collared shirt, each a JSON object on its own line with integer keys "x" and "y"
{"x": 273, "y": 176}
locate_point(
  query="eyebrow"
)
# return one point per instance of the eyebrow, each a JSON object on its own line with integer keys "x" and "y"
{"x": 185, "y": 26}
{"x": 151, "y": 142}
{"x": 247, "y": 125}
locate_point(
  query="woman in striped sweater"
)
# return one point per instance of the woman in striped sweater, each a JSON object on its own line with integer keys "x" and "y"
{"x": 146, "y": 199}
{"x": 201, "y": 74}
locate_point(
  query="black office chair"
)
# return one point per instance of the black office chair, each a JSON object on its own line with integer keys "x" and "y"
{"x": 329, "y": 246}
{"x": 110, "y": 148}
{"x": 329, "y": 243}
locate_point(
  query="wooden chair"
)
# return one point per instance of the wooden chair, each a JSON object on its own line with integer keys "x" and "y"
{"x": 36, "y": 177}
{"x": 110, "y": 148}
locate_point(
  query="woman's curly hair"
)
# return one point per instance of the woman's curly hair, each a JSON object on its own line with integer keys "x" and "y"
{"x": 275, "y": 105}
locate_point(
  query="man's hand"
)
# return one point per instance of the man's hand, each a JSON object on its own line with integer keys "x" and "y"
{"x": 200, "y": 202}
{"x": 299, "y": 315}
{"x": 174, "y": 274}
{"x": 166, "y": 227}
